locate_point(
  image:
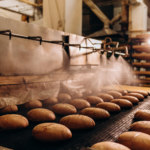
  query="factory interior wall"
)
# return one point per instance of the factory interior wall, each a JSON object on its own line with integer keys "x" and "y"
{"x": 64, "y": 15}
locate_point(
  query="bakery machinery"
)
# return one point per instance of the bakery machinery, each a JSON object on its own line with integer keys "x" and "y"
{"x": 38, "y": 63}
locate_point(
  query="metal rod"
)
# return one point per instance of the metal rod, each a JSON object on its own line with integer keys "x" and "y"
{"x": 39, "y": 38}
{"x": 36, "y": 37}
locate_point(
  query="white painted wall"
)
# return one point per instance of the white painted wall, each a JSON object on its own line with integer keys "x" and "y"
{"x": 8, "y": 14}
{"x": 63, "y": 15}
{"x": 73, "y": 16}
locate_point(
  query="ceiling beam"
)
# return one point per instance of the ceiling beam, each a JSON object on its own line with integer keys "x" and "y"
{"x": 30, "y": 3}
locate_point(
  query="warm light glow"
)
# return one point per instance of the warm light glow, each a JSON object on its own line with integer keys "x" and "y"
{"x": 148, "y": 41}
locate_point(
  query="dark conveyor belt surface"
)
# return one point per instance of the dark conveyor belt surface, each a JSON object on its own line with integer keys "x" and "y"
{"x": 106, "y": 130}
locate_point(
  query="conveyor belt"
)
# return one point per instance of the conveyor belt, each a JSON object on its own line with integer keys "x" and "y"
{"x": 106, "y": 130}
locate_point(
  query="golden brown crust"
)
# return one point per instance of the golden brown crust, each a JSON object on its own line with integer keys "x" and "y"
{"x": 142, "y": 115}
{"x": 13, "y": 122}
{"x": 137, "y": 95}
{"x": 33, "y": 104}
{"x": 9, "y": 109}
{"x": 110, "y": 107}
{"x": 51, "y": 132}
{"x": 64, "y": 97}
{"x": 122, "y": 103}
{"x": 93, "y": 100}
{"x": 135, "y": 140}
{"x": 115, "y": 94}
{"x": 95, "y": 113}
{"x": 80, "y": 103}
{"x": 105, "y": 97}
{"x": 77, "y": 122}
{"x": 64, "y": 109}
{"x": 109, "y": 146}
{"x": 145, "y": 94}
{"x": 132, "y": 99}
{"x": 50, "y": 101}
{"x": 141, "y": 126}
{"x": 123, "y": 92}
{"x": 40, "y": 115}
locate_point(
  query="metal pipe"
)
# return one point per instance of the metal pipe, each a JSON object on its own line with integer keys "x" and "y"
{"x": 115, "y": 19}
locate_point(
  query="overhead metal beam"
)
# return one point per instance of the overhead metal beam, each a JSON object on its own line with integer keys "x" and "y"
{"x": 30, "y": 3}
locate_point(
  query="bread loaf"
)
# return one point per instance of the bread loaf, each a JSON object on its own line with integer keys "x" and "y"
{"x": 115, "y": 94}
{"x": 95, "y": 113}
{"x": 135, "y": 140}
{"x": 77, "y": 122}
{"x": 40, "y": 115}
{"x": 13, "y": 122}
{"x": 80, "y": 103}
{"x": 122, "y": 103}
{"x": 33, "y": 104}
{"x": 109, "y": 146}
{"x": 93, "y": 100}
{"x": 137, "y": 95}
{"x": 123, "y": 92}
{"x": 132, "y": 99}
{"x": 50, "y": 101}
{"x": 64, "y": 109}
{"x": 141, "y": 126}
{"x": 9, "y": 109}
{"x": 142, "y": 115}
{"x": 110, "y": 107}
{"x": 145, "y": 94}
{"x": 63, "y": 97}
{"x": 51, "y": 132}
{"x": 105, "y": 97}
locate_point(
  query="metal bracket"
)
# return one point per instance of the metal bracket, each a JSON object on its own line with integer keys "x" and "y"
{"x": 4, "y": 32}
{"x": 36, "y": 37}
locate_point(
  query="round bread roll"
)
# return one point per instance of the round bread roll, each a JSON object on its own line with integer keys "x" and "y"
{"x": 137, "y": 95}
{"x": 109, "y": 146}
{"x": 110, "y": 107}
{"x": 135, "y": 140}
{"x": 51, "y": 132}
{"x": 63, "y": 97}
{"x": 93, "y": 100}
{"x": 95, "y": 113}
{"x": 64, "y": 109}
{"x": 145, "y": 94}
{"x": 50, "y": 101}
{"x": 142, "y": 115}
{"x": 115, "y": 94}
{"x": 9, "y": 109}
{"x": 123, "y": 92}
{"x": 123, "y": 103}
{"x": 33, "y": 104}
{"x": 80, "y": 103}
{"x": 40, "y": 115}
{"x": 141, "y": 126}
{"x": 77, "y": 122}
{"x": 13, "y": 122}
{"x": 105, "y": 97}
{"x": 132, "y": 99}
